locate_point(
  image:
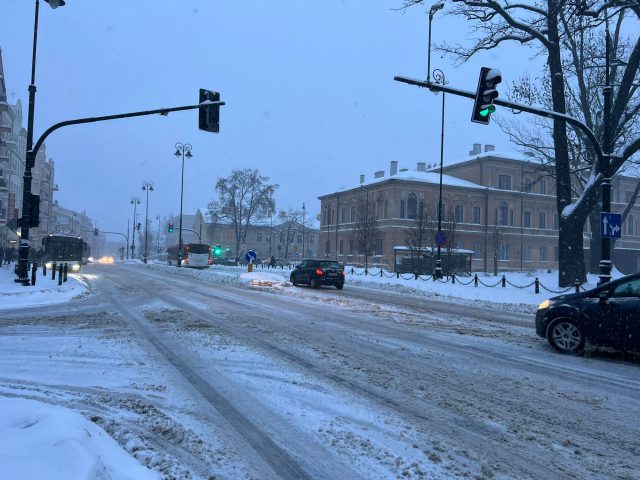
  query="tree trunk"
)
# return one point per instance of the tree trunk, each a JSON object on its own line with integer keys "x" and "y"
{"x": 572, "y": 265}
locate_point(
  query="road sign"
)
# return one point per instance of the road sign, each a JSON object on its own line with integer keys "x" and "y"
{"x": 440, "y": 238}
{"x": 250, "y": 256}
{"x": 610, "y": 225}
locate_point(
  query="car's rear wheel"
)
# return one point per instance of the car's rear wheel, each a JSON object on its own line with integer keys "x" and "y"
{"x": 314, "y": 283}
{"x": 565, "y": 336}
{"x": 339, "y": 286}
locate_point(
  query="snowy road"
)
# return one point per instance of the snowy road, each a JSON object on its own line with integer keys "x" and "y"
{"x": 198, "y": 380}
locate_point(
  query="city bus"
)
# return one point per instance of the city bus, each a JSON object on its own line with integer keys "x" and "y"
{"x": 61, "y": 249}
{"x": 194, "y": 255}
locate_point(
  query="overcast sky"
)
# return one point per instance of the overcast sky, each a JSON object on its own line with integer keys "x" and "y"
{"x": 311, "y": 100}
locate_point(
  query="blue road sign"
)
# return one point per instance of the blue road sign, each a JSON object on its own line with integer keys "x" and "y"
{"x": 610, "y": 225}
{"x": 440, "y": 238}
{"x": 250, "y": 256}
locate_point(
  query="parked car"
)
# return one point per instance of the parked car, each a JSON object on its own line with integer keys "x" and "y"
{"x": 608, "y": 315}
{"x": 318, "y": 272}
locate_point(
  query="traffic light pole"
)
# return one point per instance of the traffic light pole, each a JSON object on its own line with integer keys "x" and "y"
{"x": 23, "y": 251}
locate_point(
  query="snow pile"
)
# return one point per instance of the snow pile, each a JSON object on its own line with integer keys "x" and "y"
{"x": 44, "y": 292}
{"x": 40, "y": 442}
{"x": 264, "y": 279}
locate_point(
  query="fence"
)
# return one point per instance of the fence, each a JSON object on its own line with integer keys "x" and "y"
{"x": 476, "y": 281}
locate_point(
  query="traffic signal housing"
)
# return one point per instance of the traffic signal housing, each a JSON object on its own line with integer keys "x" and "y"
{"x": 34, "y": 210}
{"x": 139, "y": 226}
{"x": 96, "y": 232}
{"x": 170, "y": 228}
{"x": 209, "y": 115}
{"x": 483, "y": 106}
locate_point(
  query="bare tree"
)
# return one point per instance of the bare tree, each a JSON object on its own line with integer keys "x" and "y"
{"x": 366, "y": 230}
{"x": 289, "y": 226}
{"x": 422, "y": 231}
{"x": 449, "y": 228}
{"x": 244, "y": 198}
{"x": 552, "y": 26}
{"x": 494, "y": 244}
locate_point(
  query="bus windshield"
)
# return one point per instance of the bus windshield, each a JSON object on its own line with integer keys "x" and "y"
{"x": 198, "y": 248}
{"x": 63, "y": 248}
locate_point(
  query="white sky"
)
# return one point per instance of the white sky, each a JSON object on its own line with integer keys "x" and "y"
{"x": 311, "y": 100}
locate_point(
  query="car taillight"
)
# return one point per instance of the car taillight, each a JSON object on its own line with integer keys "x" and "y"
{"x": 343, "y": 274}
{"x": 319, "y": 271}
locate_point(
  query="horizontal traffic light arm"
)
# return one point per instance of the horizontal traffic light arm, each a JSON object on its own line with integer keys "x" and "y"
{"x": 117, "y": 233}
{"x": 541, "y": 112}
{"x": 78, "y": 121}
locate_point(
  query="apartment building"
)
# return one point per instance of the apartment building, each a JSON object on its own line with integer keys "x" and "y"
{"x": 491, "y": 197}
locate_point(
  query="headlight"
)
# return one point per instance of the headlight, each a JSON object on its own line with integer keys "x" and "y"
{"x": 544, "y": 305}
{"x": 75, "y": 267}
{"x": 90, "y": 259}
{"x": 48, "y": 265}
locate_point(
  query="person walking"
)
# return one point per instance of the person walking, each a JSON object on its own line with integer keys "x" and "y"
{"x": 1, "y": 255}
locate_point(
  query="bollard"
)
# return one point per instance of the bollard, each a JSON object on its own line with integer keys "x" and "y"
{"x": 504, "y": 281}
{"x": 453, "y": 278}
{"x": 577, "y": 285}
{"x": 415, "y": 275}
{"x": 475, "y": 279}
{"x": 351, "y": 270}
{"x": 44, "y": 269}
{"x": 380, "y": 273}
{"x": 65, "y": 272}
{"x": 366, "y": 272}
{"x": 249, "y": 267}
{"x": 60, "y": 275}
{"x": 537, "y": 283}
{"x": 397, "y": 274}
{"x": 53, "y": 271}
{"x": 34, "y": 270}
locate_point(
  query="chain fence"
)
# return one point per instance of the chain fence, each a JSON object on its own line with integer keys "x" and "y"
{"x": 474, "y": 280}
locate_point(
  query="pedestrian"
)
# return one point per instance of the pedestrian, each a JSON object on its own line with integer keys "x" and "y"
{"x": 7, "y": 255}
{"x": 12, "y": 255}
{"x": 272, "y": 262}
{"x": 1, "y": 255}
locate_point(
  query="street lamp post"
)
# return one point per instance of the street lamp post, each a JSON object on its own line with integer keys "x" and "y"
{"x": 25, "y": 221}
{"x": 135, "y": 201}
{"x": 182, "y": 150}
{"x": 367, "y": 232}
{"x": 440, "y": 78}
{"x": 158, "y": 239}
{"x": 304, "y": 210}
{"x": 146, "y": 187}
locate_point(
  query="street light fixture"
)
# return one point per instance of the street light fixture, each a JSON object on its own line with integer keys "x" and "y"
{"x": 182, "y": 150}
{"x": 25, "y": 221}
{"x": 135, "y": 201}
{"x": 146, "y": 187}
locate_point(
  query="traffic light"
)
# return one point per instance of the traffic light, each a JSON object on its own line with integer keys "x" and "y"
{"x": 34, "y": 211}
{"x": 139, "y": 226}
{"x": 96, "y": 232}
{"x": 483, "y": 107}
{"x": 217, "y": 250}
{"x": 170, "y": 229}
{"x": 209, "y": 116}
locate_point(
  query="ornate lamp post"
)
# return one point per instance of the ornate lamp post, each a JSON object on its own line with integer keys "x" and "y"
{"x": 25, "y": 221}
{"x": 135, "y": 201}
{"x": 182, "y": 150}
{"x": 303, "y": 222}
{"x": 146, "y": 187}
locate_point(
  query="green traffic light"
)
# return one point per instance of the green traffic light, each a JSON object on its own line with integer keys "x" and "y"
{"x": 485, "y": 112}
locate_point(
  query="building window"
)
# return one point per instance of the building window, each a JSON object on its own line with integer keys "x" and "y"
{"x": 503, "y": 252}
{"x": 343, "y": 215}
{"x": 378, "y": 250}
{"x": 543, "y": 187}
{"x": 526, "y": 219}
{"x": 327, "y": 247}
{"x": 379, "y": 208}
{"x": 542, "y": 220}
{"x": 353, "y": 214}
{"x": 504, "y": 182}
{"x": 341, "y": 247}
{"x": 268, "y": 238}
{"x": 311, "y": 239}
{"x": 556, "y": 221}
{"x": 401, "y": 208}
{"x": 459, "y": 214}
{"x": 526, "y": 185}
{"x": 350, "y": 247}
{"x": 503, "y": 214}
{"x": 526, "y": 253}
{"x": 543, "y": 253}
{"x": 627, "y": 196}
{"x": 412, "y": 206}
{"x": 477, "y": 252}
{"x": 259, "y": 237}
{"x": 629, "y": 222}
{"x": 298, "y": 238}
{"x": 476, "y": 215}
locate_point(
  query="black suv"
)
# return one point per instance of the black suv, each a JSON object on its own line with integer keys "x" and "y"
{"x": 318, "y": 272}
{"x": 608, "y": 315}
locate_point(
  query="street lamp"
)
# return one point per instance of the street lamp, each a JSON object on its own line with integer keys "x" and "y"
{"x": 439, "y": 78}
{"x": 135, "y": 201}
{"x": 182, "y": 150}
{"x": 25, "y": 221}
{"x": 146, "y": 187}
{"x": 367, "y": 232}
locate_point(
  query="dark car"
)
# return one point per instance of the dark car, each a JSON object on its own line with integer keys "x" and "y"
{"x": 608, "y": 315}
{"x": 318, "y": 272}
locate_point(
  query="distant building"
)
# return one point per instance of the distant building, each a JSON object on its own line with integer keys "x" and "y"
{"x": 486, "y": 193}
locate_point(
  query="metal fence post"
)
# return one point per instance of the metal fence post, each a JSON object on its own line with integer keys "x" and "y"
{"x": 65, "y": 271}
{"x": 453, "y": 278}
{"x": 537, "y": 284}
{"x": 504, "y": 281}
{"x": 60, "y": 274}
{"x": 53, "y": 271}
{"x": 34, "y": 270}
{"x": 380, "y": 273}
{"x": 475, "y": 279}
{"x": 577, "y": 285}
{"x": 44, "y": 269}
{"x": 397, "y": 274}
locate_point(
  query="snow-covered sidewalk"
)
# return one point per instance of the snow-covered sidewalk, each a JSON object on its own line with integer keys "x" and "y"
{"x": 44, "y": 292}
